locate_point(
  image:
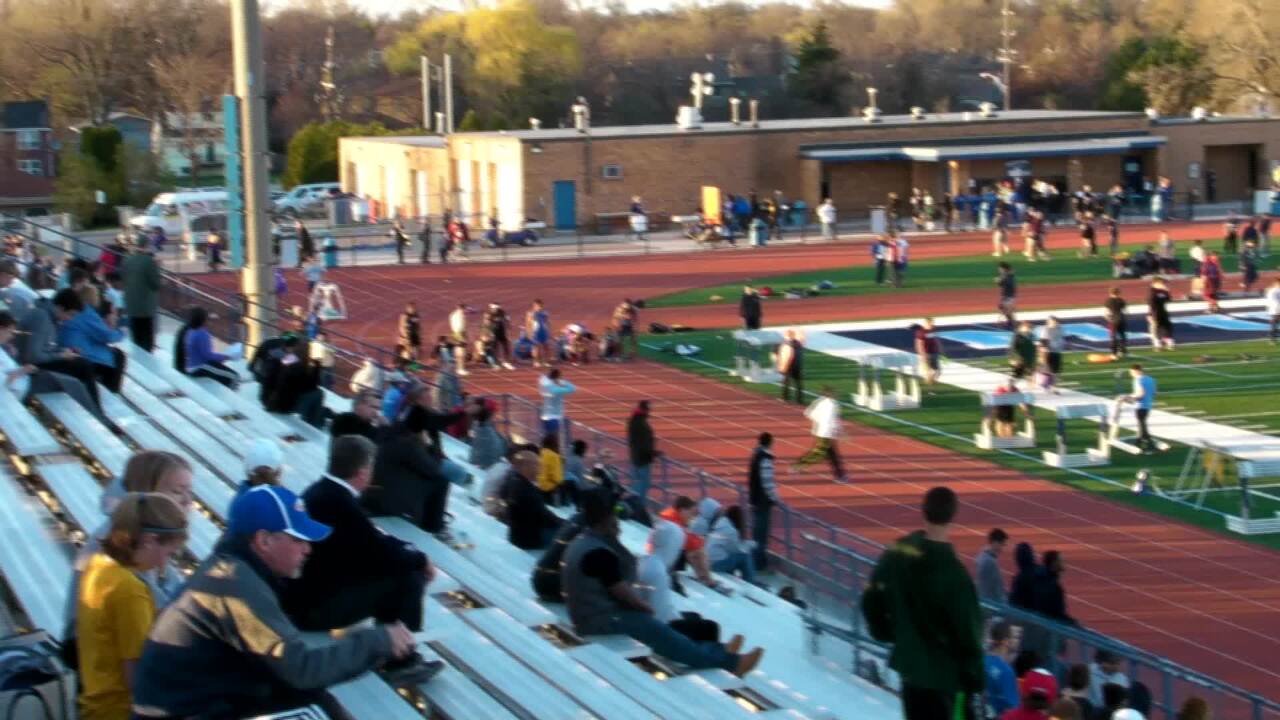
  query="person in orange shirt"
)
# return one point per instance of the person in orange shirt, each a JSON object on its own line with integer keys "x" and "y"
{"x": 695, "y": 547}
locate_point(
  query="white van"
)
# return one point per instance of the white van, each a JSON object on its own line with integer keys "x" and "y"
{"x": 304, "y": 199}
{"x": 170, "y": 211}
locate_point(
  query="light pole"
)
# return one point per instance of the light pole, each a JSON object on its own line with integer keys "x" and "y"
{"x": 250, "y": 87}
{"x": 1007, "y": 55}
{"x": 1000, "y": 86}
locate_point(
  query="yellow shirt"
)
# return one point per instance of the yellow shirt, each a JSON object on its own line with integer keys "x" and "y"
{"x": 550, "y": 470}
{"x": 115, "y": 615}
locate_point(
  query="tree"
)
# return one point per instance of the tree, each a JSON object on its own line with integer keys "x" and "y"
{"x": 190, "y": 83}
{"x": 1174, "y": 76}
{"x": 507, "y": 60}
{"x": 470, "y": 122}
{"x": 1119, "y": 92}
{"x": 819, "y": 76}
{"x": 313, "y": 152}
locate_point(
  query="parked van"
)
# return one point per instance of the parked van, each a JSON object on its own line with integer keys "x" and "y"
{"x": 171, "y": 211}
{"x": 306, "y": 199}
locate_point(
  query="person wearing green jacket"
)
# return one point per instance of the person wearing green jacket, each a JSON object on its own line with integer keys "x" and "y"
{"x": 141, "y": 275}
{"x": 921, "y": 600}
{"x": 1022, "y": 352}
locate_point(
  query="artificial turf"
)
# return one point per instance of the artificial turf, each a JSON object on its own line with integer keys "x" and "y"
{"x": 957, "y": 273}
{"x": 1238, "y": 381}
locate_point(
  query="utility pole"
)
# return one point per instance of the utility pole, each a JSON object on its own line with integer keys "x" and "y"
{"x": 328, "y": 97}
{"x": 448, "y": 94}
{"x": 250, "y": 86}
{"x": 426, "y": 92}
{"x": 1007, "y": 55}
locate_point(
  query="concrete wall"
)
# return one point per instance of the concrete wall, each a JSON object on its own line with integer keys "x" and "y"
{"x": 405, "y": 180}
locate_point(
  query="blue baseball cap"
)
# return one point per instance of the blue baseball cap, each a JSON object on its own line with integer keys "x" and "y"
{"x": 274, "y": 509}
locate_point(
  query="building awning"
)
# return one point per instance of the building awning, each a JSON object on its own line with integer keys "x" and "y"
{"x": 988, "y": 151}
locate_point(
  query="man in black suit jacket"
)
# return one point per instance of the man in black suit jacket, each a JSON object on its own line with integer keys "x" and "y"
{"x": 530, "y": 524}
{"x": 359, "y": 571}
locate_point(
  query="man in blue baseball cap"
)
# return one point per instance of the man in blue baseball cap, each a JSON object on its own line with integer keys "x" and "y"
{"x": 225, "y": 648}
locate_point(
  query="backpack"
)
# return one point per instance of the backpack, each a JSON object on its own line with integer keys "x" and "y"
{"x": 34, "y": 684}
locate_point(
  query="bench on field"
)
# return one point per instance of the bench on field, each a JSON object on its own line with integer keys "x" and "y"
{"x": 36, "y": 568}
{"x": 590, "y": 691}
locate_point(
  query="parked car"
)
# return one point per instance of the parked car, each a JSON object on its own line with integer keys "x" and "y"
{"x": 306, "y": 199}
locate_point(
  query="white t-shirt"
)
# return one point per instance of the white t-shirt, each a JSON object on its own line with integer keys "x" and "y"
{"x": 824, "y": 413}
{"x": 1273, "y": 301}
{"x": 827, "y": 213}
{"x": 458, "y": 321}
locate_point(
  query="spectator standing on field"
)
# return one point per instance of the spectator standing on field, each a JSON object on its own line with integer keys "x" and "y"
{"x": 1008, "y": 287}
{"x": 643, "y": 449}
{"x": 424, "y": 237}
{"x": 141, "y": 275}
{"x": 762, "y": 495}
{"x": 827, "y": 218}
{"x": 1114, "y": 309}
{"x": 791, "y": 365}
{"x": 987, "y": 568}
{"x": 553, "y": 390}
{"x": 921, "y": 600}
{"x": 749, "y": 309}
{"x": 1273, "y": 308}
{"x": 928, "y": 352}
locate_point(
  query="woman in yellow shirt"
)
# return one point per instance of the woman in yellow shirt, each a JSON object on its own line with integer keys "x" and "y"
{"x": 116, "y": 608}
{"x": 551, "y": 469}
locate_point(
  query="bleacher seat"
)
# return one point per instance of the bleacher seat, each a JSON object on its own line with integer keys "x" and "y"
{"x": 502, "y": 675}
{"x": 177, "y": 381}
{"x": 265, "y": 424}
{"x": 79, "y": 493}
{"x": 25, "y": 433}
{"x": 36, "y": 568}
{"x": 92, "y": 435}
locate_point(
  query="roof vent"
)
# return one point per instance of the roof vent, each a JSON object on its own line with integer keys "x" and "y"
{"x": 1199, "y": 114}
{"x": 734, "y": 104}
{"x": 535, "y": 124}
{"x": 987, "y": 109}
{"x": 1153, "y": 114}
{"x": 688, "y": 118}
{"x": 871, "y": 113}
{"x": 917, "y": 112}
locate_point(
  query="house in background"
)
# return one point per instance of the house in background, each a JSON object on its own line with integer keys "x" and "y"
{"x": 179, "y": 136}
{"x": 27, "y": 158}
{"x": 134, "y": 129}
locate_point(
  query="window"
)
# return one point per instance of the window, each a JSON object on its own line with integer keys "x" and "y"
{"x": 28, "y": 139}
{"x": 31, "y": 167}
{"x": 611, "y": 172}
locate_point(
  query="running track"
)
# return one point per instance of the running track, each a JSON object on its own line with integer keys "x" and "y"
{"x": 1204, "y": 600}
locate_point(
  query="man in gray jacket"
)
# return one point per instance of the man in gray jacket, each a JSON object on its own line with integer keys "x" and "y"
{"x": 990, "y": 581}
{"x": 225, "y": 648}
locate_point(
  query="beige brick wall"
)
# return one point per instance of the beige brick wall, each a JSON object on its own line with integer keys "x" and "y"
{"x": 1188, "y": 143}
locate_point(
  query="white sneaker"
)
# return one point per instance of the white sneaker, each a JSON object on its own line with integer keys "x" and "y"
{"x": 463, "y": 373}
{"x": 508, "y": 366}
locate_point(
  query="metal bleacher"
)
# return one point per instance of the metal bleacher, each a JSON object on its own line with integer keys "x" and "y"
{"x": 507, "y": 654}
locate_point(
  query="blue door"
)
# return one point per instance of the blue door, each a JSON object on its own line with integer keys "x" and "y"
{"x": 566, "y": 204}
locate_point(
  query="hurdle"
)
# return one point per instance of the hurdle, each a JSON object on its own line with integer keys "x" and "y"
{"x": 1250, "y": 471}
{"x": 987, "y": 439}
{"x": 1091, "y": 457}
{"x": 1206, "y": 469}
{"x": 328, "y": 296}
{"x": 906, "y": 383}
{"x": 753, "y": 355}
{"x": 1128, "y": 444}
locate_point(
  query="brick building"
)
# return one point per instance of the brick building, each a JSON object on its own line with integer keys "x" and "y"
{"x": 566, "y": 177}
{"x": 27, "y": 157}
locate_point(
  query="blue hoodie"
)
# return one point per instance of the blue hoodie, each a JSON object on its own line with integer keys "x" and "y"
{"x": 87, "y": 334}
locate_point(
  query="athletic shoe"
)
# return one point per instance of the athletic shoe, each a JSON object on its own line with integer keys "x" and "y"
{"x": 843, "y": 480}
{"x": 748, "y": 662}
{"x": 508, "y": 366}
{"x": 410, "y": 671}
{"x": 463, "y": 373}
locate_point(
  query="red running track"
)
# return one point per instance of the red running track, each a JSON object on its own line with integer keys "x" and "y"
{"x": 1204, "y": 600}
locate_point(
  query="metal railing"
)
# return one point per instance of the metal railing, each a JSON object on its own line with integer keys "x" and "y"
{"x": 829, "y": 560}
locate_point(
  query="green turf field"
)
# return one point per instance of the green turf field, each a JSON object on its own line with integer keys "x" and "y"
{"x": 959, "y": 273}
{"x": 1236, "y": 383}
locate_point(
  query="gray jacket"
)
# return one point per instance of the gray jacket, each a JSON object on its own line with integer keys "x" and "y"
{"x": 37, "y": 340}
{"x": 226, "y": 642}
{"x": 990, "y": 581}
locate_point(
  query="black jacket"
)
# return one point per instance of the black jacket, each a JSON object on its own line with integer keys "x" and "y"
{"x": 1022, "y": 593}
{"x": 354, "y": 551}
{"x": 527, "y": 512}
{"x": 761, "y": 480}
{"x": 405, "y": 475}
{"x": 289, "y": 383}
{"x": 349, "y": 423}
{"x": 640, "y": 441}
{"x": 546, "y": 574}
{"x": 1050, "y": 598}
{"x": 749, "y": 307}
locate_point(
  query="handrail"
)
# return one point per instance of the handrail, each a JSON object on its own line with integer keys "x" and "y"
{"x": 1136, "y": 657}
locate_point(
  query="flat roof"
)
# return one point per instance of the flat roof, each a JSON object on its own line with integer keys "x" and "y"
{"x": 925, "y": 152}
{"x": 427, "y": 141}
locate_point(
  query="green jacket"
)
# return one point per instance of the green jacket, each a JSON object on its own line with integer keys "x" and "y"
{"x": 1022, "y": 350}
{"x": 921, "y": 599}
{"x": 141, "y": 276}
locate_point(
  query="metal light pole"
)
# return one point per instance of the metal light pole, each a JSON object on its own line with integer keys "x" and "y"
{"x": 1007, "y": 55}
{"x": 701, "y": 87}
{"x": 448, "y": 94}
{"x": 426, "y": 92}
{"x": 250, "y": 87}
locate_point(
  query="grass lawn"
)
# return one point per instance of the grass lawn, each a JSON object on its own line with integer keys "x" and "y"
{"x": 1241, "y": 391}
{"x": 958, "y": 273}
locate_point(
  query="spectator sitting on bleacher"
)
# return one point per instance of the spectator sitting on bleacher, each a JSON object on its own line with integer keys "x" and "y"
{"x": 547, "y": 571}
{"x": 575, "y": 465}
{"x": 82, "y": 330}
{"x": 114, "y": 607}
{"x": 728, "y": 549}
{"x": 551, "y": 470}
{"x": 294, "y": 383}
{"x": 358, "y": 571}
{"x": 15, "y": 293}
{"x": 1077, "y": 689}
{"x": 225, "y": 647}
{"x": 27, "y": 380}
{"x": 654, "y": 586}
{"x": 1039, "y": 690}
{"x": 530, "y": 524}
{"x": 1114, "y": 698}
{"x": 263, "y": 465}
{"x": 1106, "y": 669}
{"x": 921, "y": 600}
{"x": 598, "y": 583}
{"x": 265, "y": 364}
{"x": 487, "y": 446}
{"x": 409, "y": 478}
{"x": 1002, "y": 683}
{"x": 682, "y": 513}
{"x": 495, "y": 477}
{"x": 364, "y": 419}
{"x": 197, "y": 354}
